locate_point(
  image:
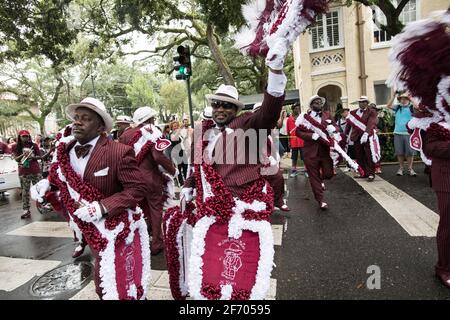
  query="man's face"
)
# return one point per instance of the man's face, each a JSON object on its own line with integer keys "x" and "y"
{"x": 86, "y": 125}
{"x": 223, "y": 112}
{"x": 296, "y": 110}
{"x": 363, "y": 104}
{"x": 47, "y": 143}
{"x": 185, "y": 122}
{"x": 316, "y": 105}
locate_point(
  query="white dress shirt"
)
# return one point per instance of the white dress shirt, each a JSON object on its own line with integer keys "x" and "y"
{"x": 316, "y": 116}
{"x": 79, "y": 164}
{"x": 360, "y": 112}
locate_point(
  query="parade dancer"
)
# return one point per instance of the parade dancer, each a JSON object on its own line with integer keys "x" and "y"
{"x": 99, "y": 185}
{"x": 316, "y": 151}
{"x": 363, "y": 122}
{"x": 157, "y": 170}
{"x": 420, "y": 58}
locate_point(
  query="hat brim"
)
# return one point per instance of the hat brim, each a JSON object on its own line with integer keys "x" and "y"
{"x": 321, "y": 98}
{"x": 71, "y": 108}
{"x": 238, "y": 103}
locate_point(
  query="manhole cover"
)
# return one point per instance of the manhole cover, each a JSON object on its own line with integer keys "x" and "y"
{"x": 62, "y": 279}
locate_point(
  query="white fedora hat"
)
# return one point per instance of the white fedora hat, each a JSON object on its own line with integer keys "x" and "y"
{"x": 207, "y": 113}
{"x": 363, "y": 98}
{"x": 226, "y": 93}
{"x": 95, "y": 105}
{"x": 124, "y": 119}
{"x": 314, "y": 97}
{"x": 142, "y": 114}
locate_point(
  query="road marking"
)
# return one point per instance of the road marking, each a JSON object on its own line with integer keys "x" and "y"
{"x": 277, "y": 230}
{"x": 15, "y": 272}
{"x": 49, "y": 229}
{"x": 413, "y": 216}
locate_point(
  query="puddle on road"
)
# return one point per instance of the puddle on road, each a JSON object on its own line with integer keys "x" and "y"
{"x": 62, "y": 279}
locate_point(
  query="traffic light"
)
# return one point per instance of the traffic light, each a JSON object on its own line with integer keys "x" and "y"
{"x": 183, "y": 63}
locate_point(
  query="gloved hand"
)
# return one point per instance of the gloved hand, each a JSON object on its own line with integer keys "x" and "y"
{"x": 364, "y": 137}
{"x": 315, "y": 136}
{"x": 277, "y": 53}
{"x": 89, "y": 213}
{"x": 39, "y": 190}
{"x": 187, "y": 193}
{"x": 331, "y": 129}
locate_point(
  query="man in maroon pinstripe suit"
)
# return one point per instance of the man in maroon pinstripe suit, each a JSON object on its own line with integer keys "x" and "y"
{"x": 151, "y": 175}
{"x": 439, "y": 151}
{"x": 238, "y": 176}
{"x": 108, "y": 166}
{"x": 368, "y": 118}
{"x": 316, "y": 151}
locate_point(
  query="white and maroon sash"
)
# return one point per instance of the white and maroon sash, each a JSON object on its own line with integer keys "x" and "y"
{"x": 307, "y": 123}
{"x": 145, "y": 139}
{"x": 120, "y": 243}
{"x": 358, "y": 124}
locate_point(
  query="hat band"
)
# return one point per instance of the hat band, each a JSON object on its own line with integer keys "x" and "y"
{"x": 225, "y": 95}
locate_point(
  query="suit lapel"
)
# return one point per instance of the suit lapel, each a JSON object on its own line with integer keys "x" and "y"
{"x": 96, "y": 156}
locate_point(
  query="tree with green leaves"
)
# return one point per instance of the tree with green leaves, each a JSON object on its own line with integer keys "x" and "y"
{"x": 173, "y": 99}
{"x": 33, "y": 83}
{"x": 390, "y": 9}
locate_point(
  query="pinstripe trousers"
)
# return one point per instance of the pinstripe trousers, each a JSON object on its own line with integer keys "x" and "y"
{"x": 443, "y": 232}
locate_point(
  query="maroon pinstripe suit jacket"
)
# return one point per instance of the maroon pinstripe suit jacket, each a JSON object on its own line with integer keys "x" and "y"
{"x": 238, "y": 177}
{"x": 122, "y": 187}
{"x": 313, "y": 148}
{"x": 439, "y": 152}
{"x": 370, "y": 119}
{"x": 151, "y": 175}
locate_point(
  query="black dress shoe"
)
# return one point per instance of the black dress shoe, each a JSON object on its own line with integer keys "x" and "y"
{"x": 78, "y": 251}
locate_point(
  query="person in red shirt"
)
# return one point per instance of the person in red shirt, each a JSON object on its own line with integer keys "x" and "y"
{"x": 26, "y": 153}
{"x": 296, "y": 143}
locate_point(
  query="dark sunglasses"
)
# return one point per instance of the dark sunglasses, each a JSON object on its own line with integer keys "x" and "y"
{"x": 226, "y": 105}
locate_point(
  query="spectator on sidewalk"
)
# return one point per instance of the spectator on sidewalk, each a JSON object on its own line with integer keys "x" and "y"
{"x": 284, "y": 135}
{"x": 26, "y": 153}
{"x": 403, "y": 112}
{"x": 295, "y": 143}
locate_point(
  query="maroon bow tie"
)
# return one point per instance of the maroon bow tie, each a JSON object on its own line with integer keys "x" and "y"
{"x": 82, "y": 151}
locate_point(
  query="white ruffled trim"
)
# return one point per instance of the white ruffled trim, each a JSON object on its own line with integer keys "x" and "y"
{"x": 107, "y": 262}
{"x": 443, "y": 88}
{"x": 147, "y": 136}
{"x": 184, "y": 289}
{"x": 373, "y": 140}
{"x": 198, "y": 249}
{"x": 265, "y": 264}
{"x": 401, "y": 41}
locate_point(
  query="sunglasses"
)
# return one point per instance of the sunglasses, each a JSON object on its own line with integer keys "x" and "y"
{"x": 226, "y": 105}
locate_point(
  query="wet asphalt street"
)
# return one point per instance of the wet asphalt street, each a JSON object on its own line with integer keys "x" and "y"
{"x": 318, "y": 255}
